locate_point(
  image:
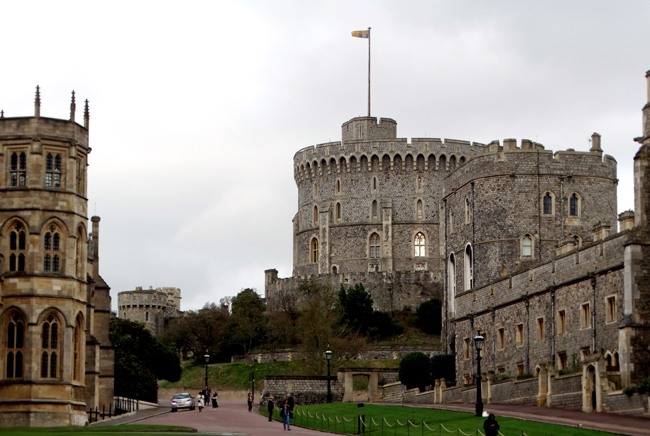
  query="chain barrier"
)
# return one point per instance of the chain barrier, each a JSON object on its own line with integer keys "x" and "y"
{"x": 367, "y": 426}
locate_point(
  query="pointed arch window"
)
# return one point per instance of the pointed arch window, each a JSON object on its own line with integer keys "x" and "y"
{"x": 51, "y": 246}
{"x": 375, "y": 246}
{"x": 77, "y": 358}
{"x": 469, "y": 268}
{"x": 451, "y": 272}
{"x": 18, "y": 173}
{"x": 420, "y": 243}
{"x": 338, "y": 211}
{"x": 315, "y": 217}
{"x": 50, "y": 348}
{"x": 527, "y": 246}
{"x": 547, "y": 204}
{"x": 314, "y": 250}
{"x": 17, "y": 243}
{"x": 53, "y": 170}
{"x": 338, "y": 186}
{"x": 420, "y": 209}
{"x": 574, "y": 205}
{"x": 374, "y": 209}
{"x": 14, "y": 348}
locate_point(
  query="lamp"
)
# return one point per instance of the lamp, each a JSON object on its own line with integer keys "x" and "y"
{"x": 328, "y": 356}
{"x": 207, "y": 360}
{"x": 478, "y": 342}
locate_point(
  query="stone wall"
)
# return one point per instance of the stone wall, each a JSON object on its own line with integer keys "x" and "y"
{"x": 372, "y": 353}
{"x": 305, "y": 389}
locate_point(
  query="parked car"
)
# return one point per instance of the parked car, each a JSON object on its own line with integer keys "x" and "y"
{"x": 182, "y": 401}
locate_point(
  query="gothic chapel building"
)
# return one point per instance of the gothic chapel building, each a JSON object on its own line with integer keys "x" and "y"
{"x": 56, "y": 360}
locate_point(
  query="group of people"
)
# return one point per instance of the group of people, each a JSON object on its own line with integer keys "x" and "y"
{"x": 286, "y": 410}
{"x": 203, "y": 399}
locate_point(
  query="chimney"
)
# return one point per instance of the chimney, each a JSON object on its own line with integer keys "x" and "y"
{"x": 595, "y": 142}
{"x": 95, "y": 221}
{"x": 626, "y": 220}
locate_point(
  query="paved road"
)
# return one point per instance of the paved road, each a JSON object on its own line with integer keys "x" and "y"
{"x": 232, "y": 417}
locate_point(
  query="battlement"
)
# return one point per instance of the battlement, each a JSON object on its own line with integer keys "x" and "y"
{"x": 37, "y": 127}
{"x": 369, "y": 128}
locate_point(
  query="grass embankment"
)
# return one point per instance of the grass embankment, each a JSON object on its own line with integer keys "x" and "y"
{"x": 394, "y": 421}
{"x": 235, "y": 375}
{"x": 80, "y": 431}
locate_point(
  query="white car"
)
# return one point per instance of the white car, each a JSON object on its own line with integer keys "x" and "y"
{"x": 182, "y": 401}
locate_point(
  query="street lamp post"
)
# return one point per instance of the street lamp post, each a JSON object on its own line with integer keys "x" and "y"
{"x": 478, "y": 341}
{"x": 328, "y": 356}
{"x": 207, "y": 360}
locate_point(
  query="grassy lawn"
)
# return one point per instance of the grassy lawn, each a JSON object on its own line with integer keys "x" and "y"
{"x": 235, "y": 375}
{"x": 79, "y": 431}
{"x": 392, "y": 421}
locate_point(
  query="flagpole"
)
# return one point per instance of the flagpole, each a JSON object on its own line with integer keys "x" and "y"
{"x": 368, "y": 71}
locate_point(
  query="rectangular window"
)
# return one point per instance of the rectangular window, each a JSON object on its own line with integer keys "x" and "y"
{"x": 519, "y": 334}
{"x": 466, "y": 349}
{"x": 540, "y": 329}
{"x": 520, "y": 369}
{"x": 501, "y": 339}
{"x": 561, "y": 322}
{"x": 610, "y": 310}
{"x": 585, "y": 316}
{"x": 561, "y": 360}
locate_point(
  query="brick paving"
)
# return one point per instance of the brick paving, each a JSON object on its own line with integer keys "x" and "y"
{"x": 233, "y": 418}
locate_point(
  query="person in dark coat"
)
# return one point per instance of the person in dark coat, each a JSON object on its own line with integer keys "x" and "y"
{"x": 290, "y": 400}
{"x": 491, "y": 426}
{"x": 270, "y": 407}
{"x": 285, "y": 414}
{"x": 250, "y": 402}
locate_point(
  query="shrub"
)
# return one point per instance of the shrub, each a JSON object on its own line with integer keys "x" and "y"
{"x": 444, "y": 366}
{"x": 414, "y": 371}
{"x": 383, "y": 326}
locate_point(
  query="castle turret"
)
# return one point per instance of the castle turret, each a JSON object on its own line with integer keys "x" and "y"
{"x": 364, "y": 128}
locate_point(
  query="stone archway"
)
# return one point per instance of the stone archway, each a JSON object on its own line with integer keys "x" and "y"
{"x": 348, "y": 376}
{"x": 591, "y": 389}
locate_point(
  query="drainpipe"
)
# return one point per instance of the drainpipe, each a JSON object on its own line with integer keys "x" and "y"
{"x": 593, "y": 316}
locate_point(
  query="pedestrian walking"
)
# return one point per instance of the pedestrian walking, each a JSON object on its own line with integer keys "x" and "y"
{"x": 491, "y": 426}
{"x": 201, "y": 402}
{"x": 270, "y": 406}
{"x": 285, "y": 414}
{"x": 250, "y": 402}
{"x": 290, "y": 400}
{"x": 214, "y": 400}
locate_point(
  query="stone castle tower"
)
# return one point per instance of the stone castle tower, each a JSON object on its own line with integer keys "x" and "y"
{"x": 56, "y": 360}
{"x": 153, "y": 307}
{"x": 411, "y": 219}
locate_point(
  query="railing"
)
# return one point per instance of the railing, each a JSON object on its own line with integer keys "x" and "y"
{"x": 122, "y": 405}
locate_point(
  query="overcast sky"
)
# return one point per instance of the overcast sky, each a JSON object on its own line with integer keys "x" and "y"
{"x": 197, "y": 108}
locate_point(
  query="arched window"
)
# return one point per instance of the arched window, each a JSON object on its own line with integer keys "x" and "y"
{"x": 527, "y": 246}
{"x": 547, "y": 204}
{"x": 420, "y": 211}
{"x": 419, "y": 245}
{"x": 53, "y": 170}
{"x": 335, "y": 270}
{"x": 338, "y": 211}
{"x": 315, "y": 217}
{"x": 79, "y": 257}
{"x": 17, "y": 243}
{"x": 374, "y": 209}
{"x": 338, "y": 186}
{"x": 466, "y": 211}
{"x": 314, "y": 250}
{"x": 14, "y": 351}
{"x": 375, "y": 247}
{"x": 469, "y": 268}
{"x": 574, "y": 205}
{"x": 78, "y": 340}
{"x": 419, "y": 182}
{"x": 18, "y": 169}
{"x": 51, "y": 246}
{"x": 374, "y": 183}
{"x": 50, "y": 348}
{"x": 451, "y": 271}
{"x": 315, "y": 190}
